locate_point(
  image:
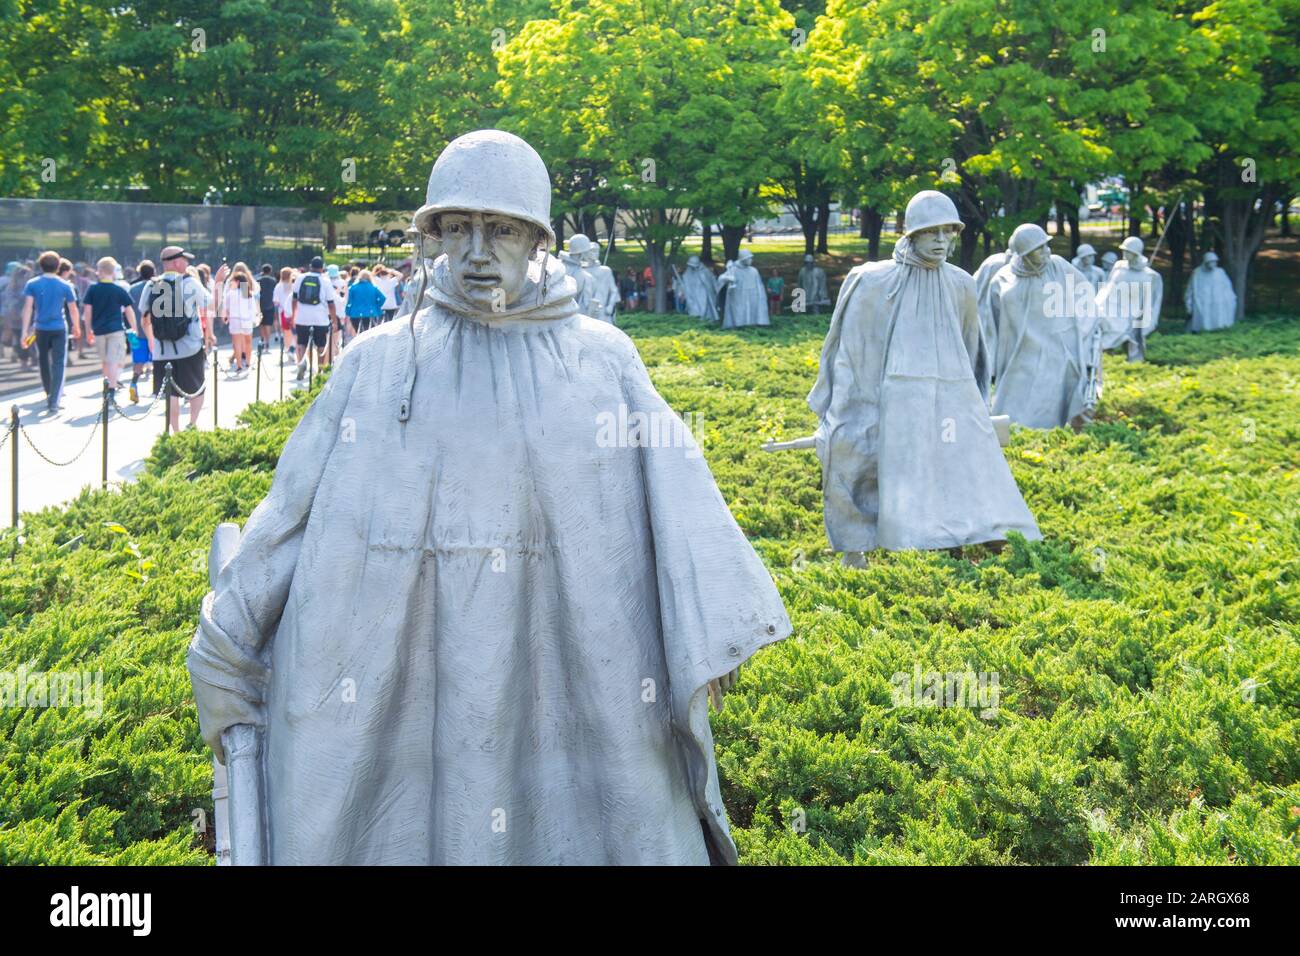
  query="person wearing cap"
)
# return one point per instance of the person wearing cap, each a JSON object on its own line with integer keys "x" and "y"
{"x": 746, "y": 297}
{"x": 701, "y": 287}
{"x": 1085, "y": 260}
{"x": 174, "y": 296}
{"x": 1209, "y": 297}
{"x": 530, "y": 615}
{"x": 1128, "y": 305}
{"x": 812, "y": 280}
{"x": 314, "y": 314}
{"x": 1042, "y": 309}
{"x": 909, "y": 454}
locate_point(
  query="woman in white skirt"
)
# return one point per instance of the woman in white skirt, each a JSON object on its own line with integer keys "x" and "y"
{"x": 240, "y": 307}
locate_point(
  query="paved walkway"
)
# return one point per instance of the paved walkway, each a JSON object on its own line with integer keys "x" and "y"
{"x": 73, "y": 435}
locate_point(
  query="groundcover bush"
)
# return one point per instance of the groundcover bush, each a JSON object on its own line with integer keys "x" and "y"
{"x": 1125, "y": 691}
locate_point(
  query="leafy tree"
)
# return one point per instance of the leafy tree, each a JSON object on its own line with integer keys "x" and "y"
{"x": 667, "y": 98}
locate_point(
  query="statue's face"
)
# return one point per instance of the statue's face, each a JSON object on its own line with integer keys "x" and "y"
{"x": 1211, "y": 263}
{"x": 488, "y": 256}
{"x": 1087, "y": 261}
{"x": 1131, "y": 257}
{"x": 934, "y": 244}
{"x": 1037, "y": 258}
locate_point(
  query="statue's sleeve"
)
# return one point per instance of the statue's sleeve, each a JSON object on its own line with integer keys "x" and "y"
{"x": 227, "y": 658}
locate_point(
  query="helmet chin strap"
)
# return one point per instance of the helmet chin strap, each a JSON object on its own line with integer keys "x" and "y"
{"x": 404, "y": 409}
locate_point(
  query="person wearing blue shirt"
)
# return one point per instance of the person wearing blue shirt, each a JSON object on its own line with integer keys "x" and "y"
{"x": 110, "y": 314}
{"x": 44, "y": 299}
{"x": 365, "y": 304}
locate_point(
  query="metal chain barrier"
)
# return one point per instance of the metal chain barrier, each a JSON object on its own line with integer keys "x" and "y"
{"x": 61, "y": 464}
{"x": 112, "y": 398}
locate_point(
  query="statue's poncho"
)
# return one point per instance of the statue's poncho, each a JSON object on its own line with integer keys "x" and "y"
{"x": 701, "y": 291}
{"x": 501, "y": 655}
{"x": 1041, "y": 362}
{"x": 812, "y": 279}
{"x": 909, "y": 456}
{"x": 603, "y": 294}
{"x": 1210, "y": 301}
{"x": 1128, "y": 306}
{"x": 746, "y": 302}
{"x": 983, "y": 276}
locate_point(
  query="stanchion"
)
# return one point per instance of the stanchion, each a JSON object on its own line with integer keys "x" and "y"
{"x": 167, "y": 399}
{"x": 311, "y": 359}
{"x": 216, "y": 367}
{"x": 257, "y": 387}
{"x": 103, "y": 477}
{"x": 13, "y": 440}
{"x": 282, "y": 363}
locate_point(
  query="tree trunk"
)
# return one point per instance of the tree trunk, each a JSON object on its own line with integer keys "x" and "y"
{"x": 1177, "y": 234}
{"x": 863, "y": 233}
{"x": 823, "y": 224}
{"x": 659, "y": 269}
{"x": 331, "y": 236}
{"x": 731, "y": 238}
{"x": 873, "y": 221}
{"x": 558, "y": 224}
{"x": 1072, "y": 219}
{"x": 1284, "y": 225}
{"x": 706, "y": 243}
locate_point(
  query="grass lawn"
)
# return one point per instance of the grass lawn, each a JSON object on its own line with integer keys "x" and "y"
{"x": 1146, "y": 653}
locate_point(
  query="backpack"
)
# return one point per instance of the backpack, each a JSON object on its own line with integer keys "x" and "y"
{"x": 167, "y": 306}
{"x": 309, "y": 291}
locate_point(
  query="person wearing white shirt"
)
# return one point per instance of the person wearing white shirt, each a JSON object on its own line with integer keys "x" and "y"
{"x": 385, "y": 280}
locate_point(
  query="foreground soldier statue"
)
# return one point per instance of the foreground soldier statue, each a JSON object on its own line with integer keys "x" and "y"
{"x": 506, "y": 656}
{"x": 1041, "y": 307}
{"x": 1210, "y": 300}
{"x": 812, "y": 279}
{"x": 701, "y": 287}
{"x": 910, "y": 458}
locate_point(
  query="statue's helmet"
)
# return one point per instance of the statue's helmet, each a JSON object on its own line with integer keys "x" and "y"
{"x": 490, "y": 171}
{"x": 578, "y": 244}
{"x": 807, "y": 258}
{"x": 1086, "y": 250}
{"x": 1133, "y": 244}
{"x": 927, "y": 209}
{"x": 693, "y": 261}
{"x": 1210, "y": 256}
{"x": 1026, "y": 238}
{"x": 745, "y": 256}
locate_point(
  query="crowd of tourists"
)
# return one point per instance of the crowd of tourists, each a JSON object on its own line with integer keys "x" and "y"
{"x": 161, "y": 319}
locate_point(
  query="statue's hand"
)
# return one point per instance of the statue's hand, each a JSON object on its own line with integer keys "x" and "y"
{"x": 720, "y": 686}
